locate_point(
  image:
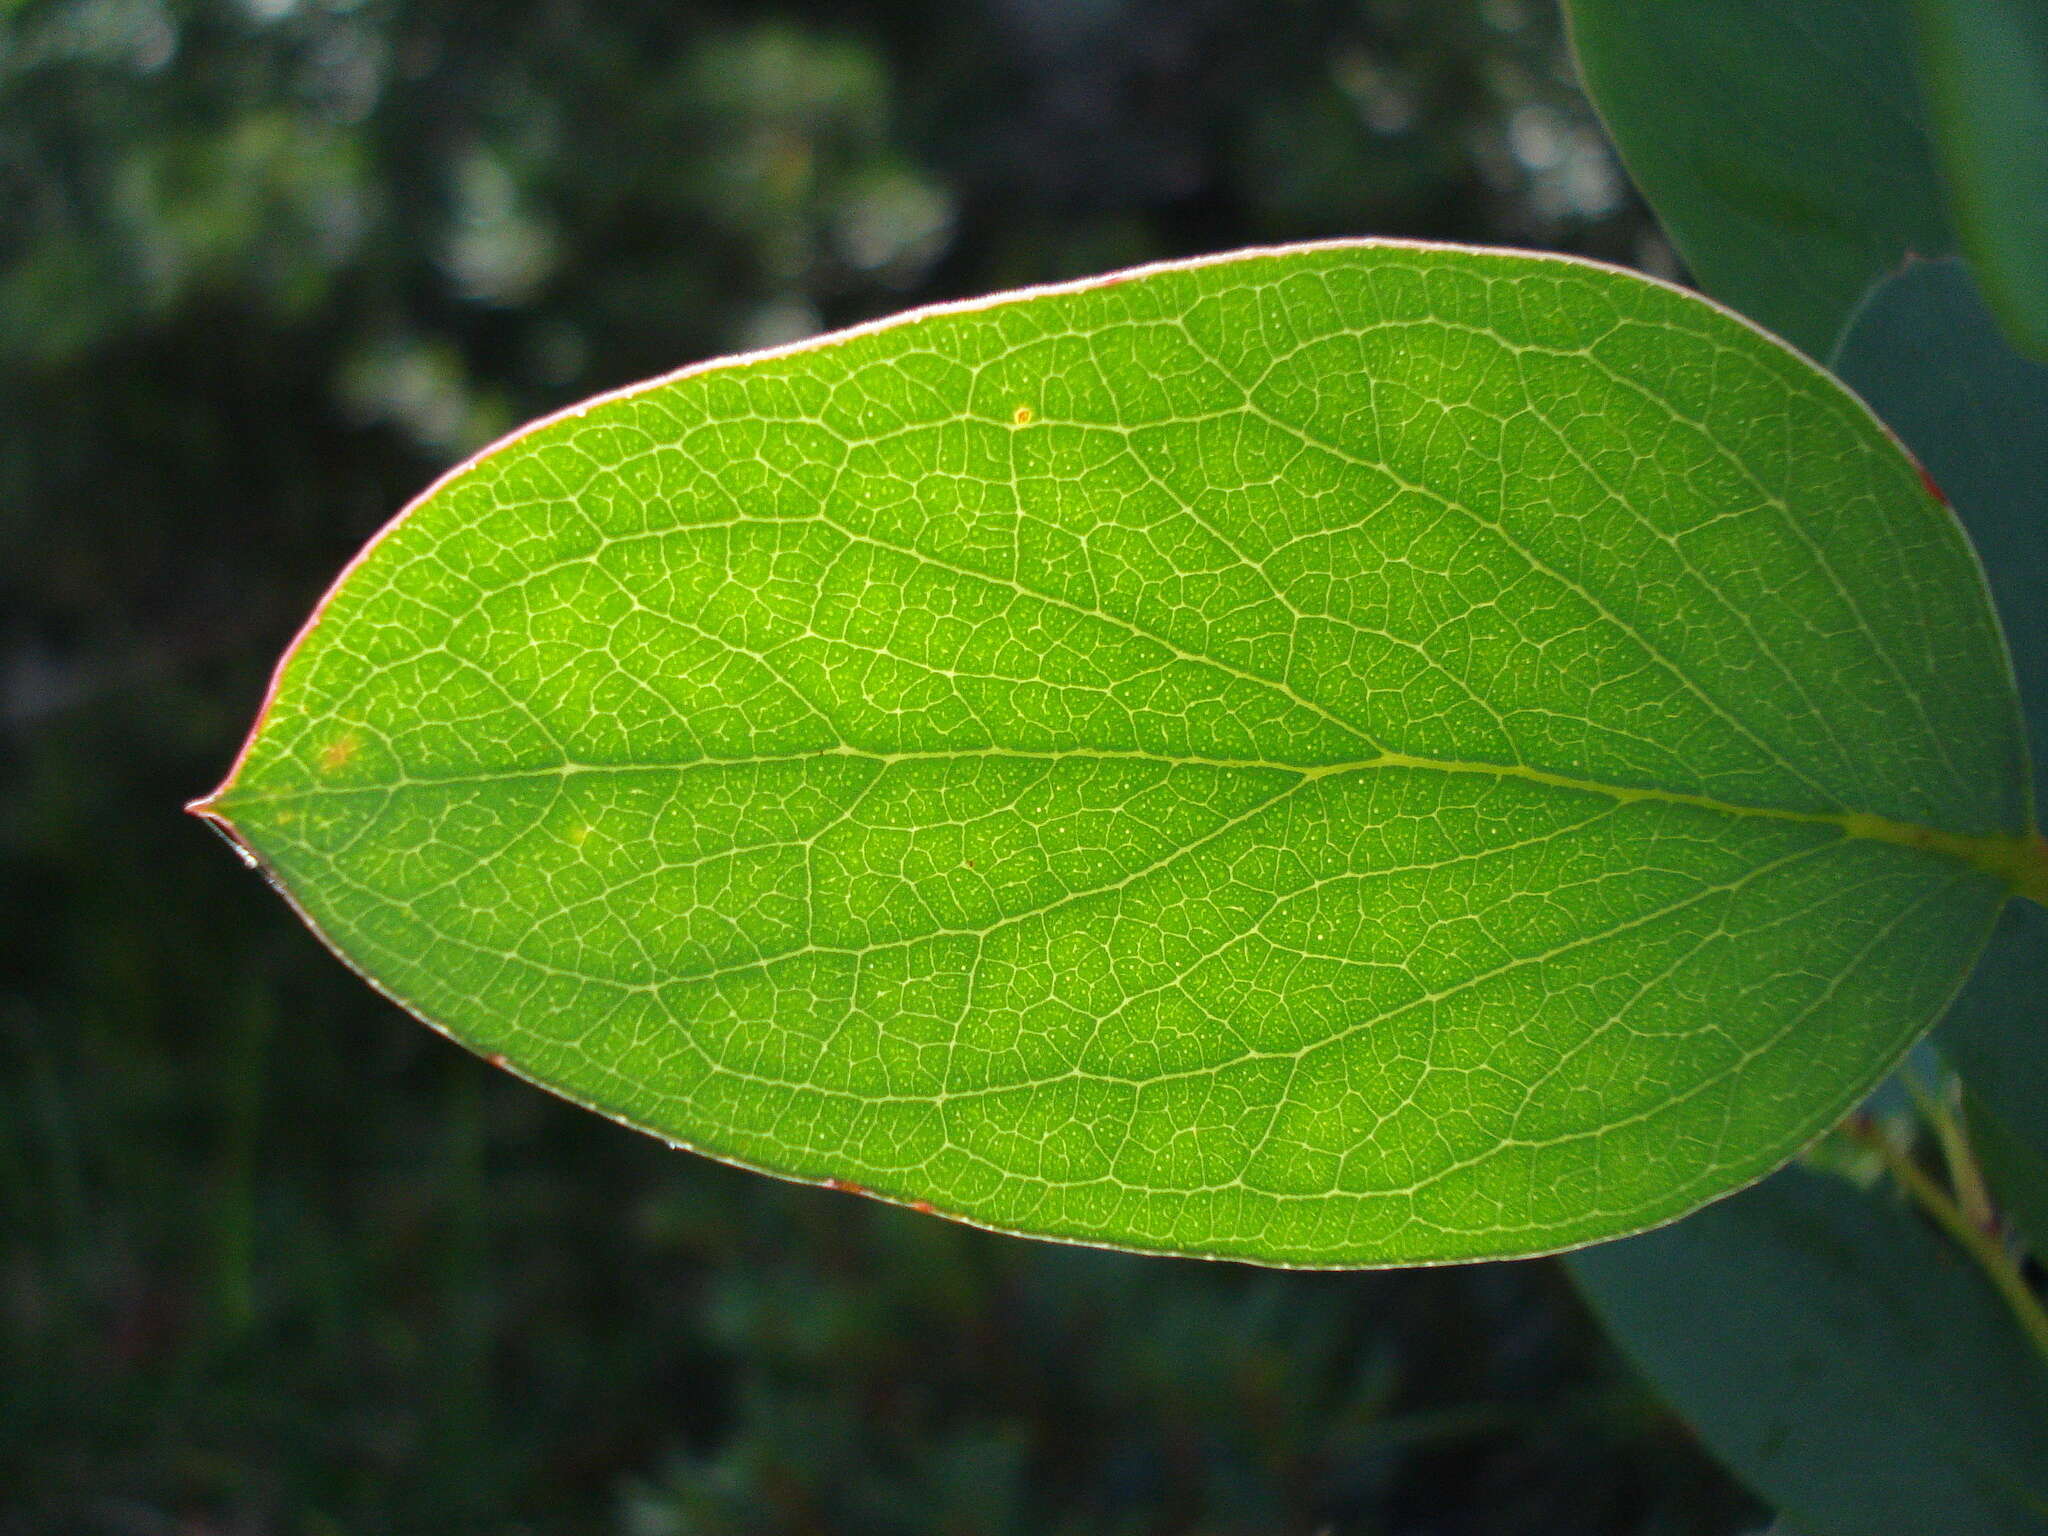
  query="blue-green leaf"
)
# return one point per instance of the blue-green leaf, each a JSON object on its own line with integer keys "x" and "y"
{"x": 1782, "y": 142}
{"x": 1985, "y": 67}
{"x": 1840, "y": 1356}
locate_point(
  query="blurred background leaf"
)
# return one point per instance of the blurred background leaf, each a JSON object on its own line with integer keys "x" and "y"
{"x": 1849, "y": 1364}
{"x": 1782, "y": 142}
{"x": 1984, "y": 66}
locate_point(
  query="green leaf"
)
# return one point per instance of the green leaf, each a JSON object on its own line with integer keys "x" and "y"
{"x": 1928, "y": 357}
{"x": 1841, "y": 1359}
{"x": 1782, "y": 142}
{"x": 1985, "y": 64}
{"x": 1356, "y": 754}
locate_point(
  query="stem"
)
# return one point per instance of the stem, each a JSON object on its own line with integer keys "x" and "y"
{"x": 1941, "y": 1207}
{"x": 1963, "y": 1173}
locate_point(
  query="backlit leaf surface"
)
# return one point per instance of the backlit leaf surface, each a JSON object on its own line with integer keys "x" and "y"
{"x": 1357, "y": 754}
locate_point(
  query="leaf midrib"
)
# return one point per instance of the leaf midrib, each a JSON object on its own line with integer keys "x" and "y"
{"x": 2011, "y": 858}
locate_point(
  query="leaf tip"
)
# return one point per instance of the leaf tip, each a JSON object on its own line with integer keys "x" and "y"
{"x": 207, "y": 809}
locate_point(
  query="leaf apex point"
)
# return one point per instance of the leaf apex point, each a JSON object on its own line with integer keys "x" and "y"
{"x": 212, "y": 806}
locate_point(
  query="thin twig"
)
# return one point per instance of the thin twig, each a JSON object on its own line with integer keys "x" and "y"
{"x": 1972, "y": 1194}
{"x": 1989, "y": 1255}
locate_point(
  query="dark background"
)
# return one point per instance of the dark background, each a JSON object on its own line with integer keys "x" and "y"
{"x": 273, "y": 1258}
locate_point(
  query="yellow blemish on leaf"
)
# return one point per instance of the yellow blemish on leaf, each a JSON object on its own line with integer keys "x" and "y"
{"x": 1022, "y": 416}
{"x": 338, "y": 753}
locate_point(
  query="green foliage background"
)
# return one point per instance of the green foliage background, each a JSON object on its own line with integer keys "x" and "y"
{"x": 274, "y": 1258}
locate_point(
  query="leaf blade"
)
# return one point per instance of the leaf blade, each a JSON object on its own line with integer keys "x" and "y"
{"x": 1017, "y": 752}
